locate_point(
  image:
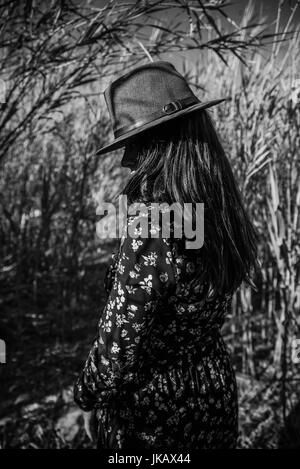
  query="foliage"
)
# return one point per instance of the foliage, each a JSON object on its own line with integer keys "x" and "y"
{"x": 49, "y": 50}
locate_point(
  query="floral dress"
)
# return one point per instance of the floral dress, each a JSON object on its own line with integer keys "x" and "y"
{"x": 158, "y": 374}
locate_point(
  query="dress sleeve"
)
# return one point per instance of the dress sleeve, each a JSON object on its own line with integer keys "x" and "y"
{"x": 145, "y": 273}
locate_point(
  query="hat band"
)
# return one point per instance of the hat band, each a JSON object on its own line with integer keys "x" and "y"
{"x": 167, "y": 109}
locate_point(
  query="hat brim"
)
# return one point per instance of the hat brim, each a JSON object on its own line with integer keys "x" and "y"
{"x": 123, "y": 139}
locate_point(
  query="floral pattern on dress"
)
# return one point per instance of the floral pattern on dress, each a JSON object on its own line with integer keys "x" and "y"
{"x": 159, "y": 374}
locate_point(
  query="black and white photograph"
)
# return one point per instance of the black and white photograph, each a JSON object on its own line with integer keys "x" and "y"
{"x": 150, "y": 227}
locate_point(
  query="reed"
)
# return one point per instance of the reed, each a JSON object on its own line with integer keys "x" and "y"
{"x": 260, "y": 128}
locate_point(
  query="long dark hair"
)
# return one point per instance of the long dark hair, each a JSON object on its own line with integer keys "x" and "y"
{"x": 184, "y": 161}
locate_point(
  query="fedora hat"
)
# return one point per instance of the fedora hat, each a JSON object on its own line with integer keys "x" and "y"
{"x": 147, "y": 96}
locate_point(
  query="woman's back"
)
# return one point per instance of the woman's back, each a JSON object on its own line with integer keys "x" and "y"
{"x": 183, "y": 384}
{"x": 187, "y": 322}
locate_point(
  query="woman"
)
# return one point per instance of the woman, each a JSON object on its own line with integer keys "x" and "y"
{"x": 159, "y": 375}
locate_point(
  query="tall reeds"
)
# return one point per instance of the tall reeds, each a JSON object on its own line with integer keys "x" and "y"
{"x": 260, "y": 127}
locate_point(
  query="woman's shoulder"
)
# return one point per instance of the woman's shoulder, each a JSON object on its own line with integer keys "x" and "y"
{"x": 158, "y": 219}
{"x": 150, "y": 216}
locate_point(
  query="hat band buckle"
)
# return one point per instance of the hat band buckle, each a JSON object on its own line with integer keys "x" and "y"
{"x": 167, "y": 109}
{"x": 173, "y": 106}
